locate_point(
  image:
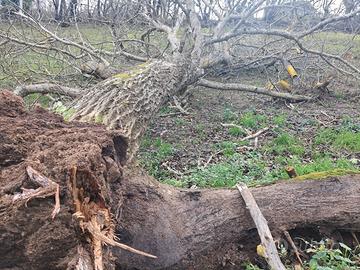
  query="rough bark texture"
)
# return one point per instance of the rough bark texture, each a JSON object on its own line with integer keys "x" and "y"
{"x": 186, "y": 229}
{"x": 127, "y": 101}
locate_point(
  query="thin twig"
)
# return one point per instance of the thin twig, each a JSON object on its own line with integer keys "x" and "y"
{"x": 293, "y": 246}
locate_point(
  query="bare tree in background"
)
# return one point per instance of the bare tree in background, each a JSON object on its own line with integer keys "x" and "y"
{"x": 158, "y": 51}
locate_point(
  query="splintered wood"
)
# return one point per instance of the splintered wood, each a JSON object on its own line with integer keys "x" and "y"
{"x": 95, "y": 218}
{"x": 268, "y": 247}
{"x": 47, "y": 188}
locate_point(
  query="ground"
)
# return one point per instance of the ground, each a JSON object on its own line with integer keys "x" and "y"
{"x": 195, "y": 150}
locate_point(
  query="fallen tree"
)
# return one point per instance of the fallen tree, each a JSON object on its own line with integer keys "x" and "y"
{"x": 102, "y": 191}
{"x": 196, "y": 229}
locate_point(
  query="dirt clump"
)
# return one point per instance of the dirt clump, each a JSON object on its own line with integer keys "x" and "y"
{"x": 30, "y": 238}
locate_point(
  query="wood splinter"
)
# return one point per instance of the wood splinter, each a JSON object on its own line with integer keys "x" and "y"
{"x": 47, "y": 188}
{"x": 96, "y": 220}
{"x": 268, "y": 245}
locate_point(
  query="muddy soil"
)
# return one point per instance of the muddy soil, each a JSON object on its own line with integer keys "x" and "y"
{"x": 51, "y": 146}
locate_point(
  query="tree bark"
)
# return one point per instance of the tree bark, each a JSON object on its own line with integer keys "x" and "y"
{"x": 128, "y": 101}
{"x": 185, "y": 229}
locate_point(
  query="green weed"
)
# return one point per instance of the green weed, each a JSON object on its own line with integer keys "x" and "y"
{"x": 286, "y": 143}
{"x": 251, "y": 120}
{"x": 229, "y": 115}
{"x": 325, "y": 258}
{"x": 157, "y": 151}
{"x": 321, "y": 165}
{"x": 236, "y": 131}
{"x": 280, "y": 120}
{"x": 348, "y": 140}
{"x": 180, "y": 122}
{"x": 43, "y": 100}
{"x": 339, "y": 138}
{"x": 228, "y": 148}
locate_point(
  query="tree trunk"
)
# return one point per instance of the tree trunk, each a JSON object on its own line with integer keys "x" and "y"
{"x": 128, "y": 101}
{"x": 185, "y": 229}
{"x": 73, "y": 8}
{"x": 21, "y": 6}
{"x": 38, "y": 7}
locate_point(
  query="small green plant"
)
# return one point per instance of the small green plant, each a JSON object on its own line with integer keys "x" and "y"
{"x": 43, "y": 100}
{"x": 326, "y": 258}
{"x": 325, "y": 136}
{"x": 236, "y": 131}
{"x": 348, "y": 140}
{"x": 280, "y": 120}
{"x": 225, "y": 174}
{"x": 228, "y": 148}
{"x": 347, "y": 123}
{"x": 64, "y": 111}
{"x": 252, "y": 120}
{"x": 165, "y": 110}
{"x": 229, "y": 115}
{"x": 157, "y": 152}
{"x": 321, "y": 165}
{"x": 285, "y": 143}
{"x": 250, "y": 266}
{"x": 180, "y": 122}
{"x": 99, "y": 119}
{"x": 164, "y": 149}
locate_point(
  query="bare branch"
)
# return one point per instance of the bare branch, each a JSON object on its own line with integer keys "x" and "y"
{"x": 47, "y": 88}
{"x": 252, "y": 89}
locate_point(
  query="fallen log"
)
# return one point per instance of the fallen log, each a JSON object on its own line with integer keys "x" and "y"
{"x": 185, "y": 229}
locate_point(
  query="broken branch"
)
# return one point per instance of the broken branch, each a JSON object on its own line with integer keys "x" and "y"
{"x": 252, "y": 89}
{"x": 271, "y": 254}
{"x": 255, "y": 135}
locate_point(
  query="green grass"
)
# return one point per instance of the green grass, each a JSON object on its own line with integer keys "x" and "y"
{"x": 287, "y": 144}
{"x": 42, "y": 100}
{"x": 158, "y": 151}
{"x": 340, "y": 139}
{"x": 252, "y": 120}
{"x": 229, "y": 115}
{"x": 267, "y": 164}
{"x": 236, "y": 131}
{"x": 228, "y": 148}
{"x": 280, "y": 120}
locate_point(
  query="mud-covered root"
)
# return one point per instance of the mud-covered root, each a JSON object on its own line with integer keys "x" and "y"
{"x": 47, "y": 188}
{"x": 95, "y": 218}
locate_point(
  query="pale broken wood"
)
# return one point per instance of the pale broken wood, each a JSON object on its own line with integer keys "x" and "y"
{"x": 271, "y": 254}
{"x": 47, "y": 188}
{"x": 96, "y": 220}
{"x": 248, "y": 132}
{"x": 255, "y": 135}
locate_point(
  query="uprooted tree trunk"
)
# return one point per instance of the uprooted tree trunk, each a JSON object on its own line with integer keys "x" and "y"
{"x": 185, "y": 229}
{"x": 128, "y": 101}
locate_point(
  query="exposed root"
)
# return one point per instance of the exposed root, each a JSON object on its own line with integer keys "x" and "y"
{"x": 47, "y": 188}
{"x": 95, "y": 218}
